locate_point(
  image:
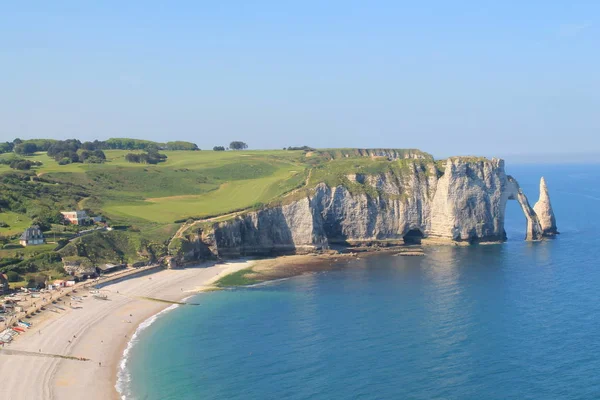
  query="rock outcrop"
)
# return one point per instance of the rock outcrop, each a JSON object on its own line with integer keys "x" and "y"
{"x": 544, "y": 211}
{"x": 78, "y": 266}
{"x": 465, "y": 201}
{"x": 469, "y": 201}
{"x": 534, "y": 229}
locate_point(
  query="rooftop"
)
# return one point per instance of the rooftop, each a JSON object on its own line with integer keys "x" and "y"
{"x": 33, "y": 232}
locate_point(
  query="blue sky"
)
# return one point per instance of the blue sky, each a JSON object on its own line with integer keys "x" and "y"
{"x": 449, "y": 77}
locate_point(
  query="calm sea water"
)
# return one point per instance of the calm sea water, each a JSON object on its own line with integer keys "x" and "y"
{"x": 512, "y": 321}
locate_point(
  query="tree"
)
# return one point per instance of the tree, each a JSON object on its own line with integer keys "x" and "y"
{"x": 237, "y": 145}
{"x": 6, "y": 147}
{"x": 219, "y": 148}
{"x": 13, "y": 276}
{"x": 179, "y": 145}
{"x": 304, "y": 148}
{"x": 151, "y": 156}
{"x": 25, "y": 148}
{"x": 22, "y": 165}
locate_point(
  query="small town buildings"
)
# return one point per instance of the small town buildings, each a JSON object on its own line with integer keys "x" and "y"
{"x": 59, "y": 283}
{"x": 32, "y": 236}
{"x": 108, "y": 268}
{"x": 3, "y": 284}
{"x": 76, "y": 217}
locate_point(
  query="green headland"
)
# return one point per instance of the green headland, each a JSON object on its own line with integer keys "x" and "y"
{"x": 146, "y": 203}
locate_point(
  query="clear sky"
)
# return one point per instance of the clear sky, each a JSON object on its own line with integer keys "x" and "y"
{"x": 449, "y": 77}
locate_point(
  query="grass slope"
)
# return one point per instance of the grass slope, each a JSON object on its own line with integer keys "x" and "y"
{"x": 17, "y": 223}
{"x": 188, "y": 184}
{"x": 153, "y": 200}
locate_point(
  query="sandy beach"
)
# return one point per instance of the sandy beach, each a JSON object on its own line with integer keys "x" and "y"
{"x": 98, "y": 330}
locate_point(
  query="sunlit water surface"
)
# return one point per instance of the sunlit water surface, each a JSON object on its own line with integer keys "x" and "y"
{"x": 511, "y": 321}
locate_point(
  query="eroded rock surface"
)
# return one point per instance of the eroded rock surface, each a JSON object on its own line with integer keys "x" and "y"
{"x": 465, "y": 201}
{"x": 543, "y": 209}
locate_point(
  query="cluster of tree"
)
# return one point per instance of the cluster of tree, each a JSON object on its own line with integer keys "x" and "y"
{"x": 38, "y": 262}
{"x": 150, "y": 156}
{"x": 73, "y": 151}
{"x": 21, "y": 192}
{"x": 304, "y": 148}
{"x": 24, "y": 165}
{"x": 237, "y": 145}
{"x": 19, "y": 163}
{"x": 6, "y": 147}
{"x": 219, "y": 148}
{"x": 92, "y": 156}
{"x": 179, "y": 145}
{"x": 139, "y": 144}
{"x": 27, "y": 147}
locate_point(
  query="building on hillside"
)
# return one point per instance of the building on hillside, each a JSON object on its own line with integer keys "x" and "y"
{"x": 108, "y": 268}
{"x": 32, "y": 236}
{"x": 3, "y": 284}
{"x": 59, "y": 283}
{"x": 76, "y": 217}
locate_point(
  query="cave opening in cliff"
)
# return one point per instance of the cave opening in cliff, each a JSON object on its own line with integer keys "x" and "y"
{"x": 413, "y": 236}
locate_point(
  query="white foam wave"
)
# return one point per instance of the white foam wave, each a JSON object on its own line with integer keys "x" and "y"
{"x": 267, "y": 283}
{"x": 123, "y": 376}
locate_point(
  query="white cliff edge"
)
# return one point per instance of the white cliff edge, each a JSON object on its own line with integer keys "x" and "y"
{"x": 543, "y": 209}
{"x": 464, "y": 202}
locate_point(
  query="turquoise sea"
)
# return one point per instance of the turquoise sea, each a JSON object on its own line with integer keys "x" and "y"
{"x": 512, "y": 321}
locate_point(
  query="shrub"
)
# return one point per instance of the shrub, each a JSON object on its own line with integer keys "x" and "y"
{"x": 13, "y": 276}
{"x": 237, "y": 145}
{"x": 25, "y": 148}
{"x": 23, "y": 165}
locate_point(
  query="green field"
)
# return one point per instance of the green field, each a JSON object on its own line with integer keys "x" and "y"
{"x": 196, "y": 184}
{"x": 17, "y": 223}
{"x": 189, "y": 184}
{"x": 27, "y": 251}
{"x": 148, "y": 203}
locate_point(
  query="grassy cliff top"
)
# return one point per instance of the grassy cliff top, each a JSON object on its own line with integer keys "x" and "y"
{"x": 194, "y": 183}
{"x": 151, "y": 202}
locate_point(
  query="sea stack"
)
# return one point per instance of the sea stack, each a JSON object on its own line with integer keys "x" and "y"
{"x": 543, "y": 209}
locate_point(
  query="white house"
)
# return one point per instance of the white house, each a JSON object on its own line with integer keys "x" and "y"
{"x": 32, "y": 236}
{"x": 76, "y": 217}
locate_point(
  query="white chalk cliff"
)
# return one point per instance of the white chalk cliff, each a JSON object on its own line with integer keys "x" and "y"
{"x": 463, "y": 200}
{"x": 544, "y": 211}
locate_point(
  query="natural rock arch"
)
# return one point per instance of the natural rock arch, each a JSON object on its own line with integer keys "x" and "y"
{"x": 413, "y": 236}
{"x": 514, "y": 192}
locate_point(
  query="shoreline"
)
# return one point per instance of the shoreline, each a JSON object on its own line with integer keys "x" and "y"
{"x": 98, "y": 330}
{"x": 103, "y": 330}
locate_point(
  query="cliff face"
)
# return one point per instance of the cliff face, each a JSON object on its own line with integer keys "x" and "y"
{"x": 544, "y": 211}
{"x": 464, "y": 203}
{"x": 469, "y": 201}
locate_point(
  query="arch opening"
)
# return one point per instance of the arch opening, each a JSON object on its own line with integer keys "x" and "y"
{"x": 413, "y": 236}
